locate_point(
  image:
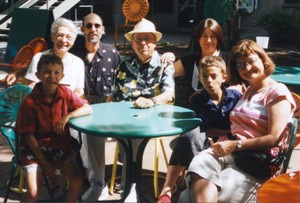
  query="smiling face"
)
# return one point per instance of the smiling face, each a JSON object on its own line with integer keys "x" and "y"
{"x": 92, "y": 28}
{"x": 208, "y": 42}
{"x": 62, "y": 40}
{"x": 50, "y": 74}
{"x": 251, "y": 68}
{"x": 143, "y": 45}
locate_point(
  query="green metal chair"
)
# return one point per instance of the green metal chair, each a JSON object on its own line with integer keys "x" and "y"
{"x": 290, "y": 141}
{"x": 10, "y": 101}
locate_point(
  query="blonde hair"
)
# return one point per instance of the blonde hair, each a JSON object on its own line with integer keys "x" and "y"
{"x": 215, "y": 61}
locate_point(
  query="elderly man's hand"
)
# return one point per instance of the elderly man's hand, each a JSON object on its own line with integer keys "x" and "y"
{"x": 143, "y": 103}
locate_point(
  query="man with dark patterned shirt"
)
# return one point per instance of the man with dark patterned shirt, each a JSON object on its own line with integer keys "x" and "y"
{"x": 100, "y": 61}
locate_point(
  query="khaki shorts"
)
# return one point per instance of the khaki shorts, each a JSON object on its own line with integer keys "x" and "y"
{"x": 233, "y": 184}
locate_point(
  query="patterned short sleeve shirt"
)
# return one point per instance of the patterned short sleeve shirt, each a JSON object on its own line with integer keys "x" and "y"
{"x": 134, "y": 79}
{"x": 100, "y": 72}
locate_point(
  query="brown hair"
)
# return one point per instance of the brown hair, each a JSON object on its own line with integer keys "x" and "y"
{"x": 245, "y": 48}
{"x": 214, "y": 26}
{"x": 215, "y": 61}
{"x": 49, "y": 59}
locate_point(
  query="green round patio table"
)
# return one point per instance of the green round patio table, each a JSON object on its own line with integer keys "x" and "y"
{"x": 122, "y": 121}
{"x": 289, "y": 75}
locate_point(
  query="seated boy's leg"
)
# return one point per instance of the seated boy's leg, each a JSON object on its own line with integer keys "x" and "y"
{"x": 33, "y": 173}
{"x": 185, "y": 196}
{"x": 187, "y": 146}
{"x": 73, "y": 172}
{"x": 172, "y": 173}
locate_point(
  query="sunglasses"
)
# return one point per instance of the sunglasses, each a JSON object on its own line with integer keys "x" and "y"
{"x": 90, "y": 25}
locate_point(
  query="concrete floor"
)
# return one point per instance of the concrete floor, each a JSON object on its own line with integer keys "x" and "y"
{"x": 148, "y": 161}
{"x": 148, "y": 165}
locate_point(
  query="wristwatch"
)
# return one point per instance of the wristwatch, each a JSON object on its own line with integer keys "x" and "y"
{"x": 239, "y": 144}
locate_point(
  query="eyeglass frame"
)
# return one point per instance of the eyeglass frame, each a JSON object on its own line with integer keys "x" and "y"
{"x": 243, "y": 66}
{"x": 140, "y": 39}
{"x": 69, "y": 37}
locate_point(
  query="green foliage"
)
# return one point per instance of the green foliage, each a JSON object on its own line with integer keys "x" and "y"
{"x": 282, "y": 26}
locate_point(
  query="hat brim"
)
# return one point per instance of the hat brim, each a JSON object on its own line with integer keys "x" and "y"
{"x": 129, "y": 35}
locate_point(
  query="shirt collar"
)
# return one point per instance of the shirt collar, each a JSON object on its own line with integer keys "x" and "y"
{"x": 37, "y": 93}
{"x": 154, "y": 61}
{"x": 100, "y": 49}
{"x": 228, "y": 94}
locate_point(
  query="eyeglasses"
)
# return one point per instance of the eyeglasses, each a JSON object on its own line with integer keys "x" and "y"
{"x": 90, "y": 25}
{"x": 146, "y": 39}
{"x": 242, "y": 66}
{"x": 60, "y": 36}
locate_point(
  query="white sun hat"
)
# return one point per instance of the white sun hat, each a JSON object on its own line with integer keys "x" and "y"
{"x": 144, "y": 26}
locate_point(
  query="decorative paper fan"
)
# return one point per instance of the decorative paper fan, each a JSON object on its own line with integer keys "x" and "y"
{"x": 135, "y": 10}
{"x": 219, "y": 10}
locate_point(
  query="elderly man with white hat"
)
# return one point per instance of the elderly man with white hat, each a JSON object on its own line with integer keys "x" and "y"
{"x": 144, "y": 78}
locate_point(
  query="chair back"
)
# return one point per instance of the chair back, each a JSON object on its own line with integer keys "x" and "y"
{"x": 38, "y": 45}
{"x": 297, "y": 109}
{"x": 297, "y": 116}
{"x": 10, "y": 101}
{"x": 135, "y": 10}
{"x": 23, "y": 58}
{"x": 289, "y": 141}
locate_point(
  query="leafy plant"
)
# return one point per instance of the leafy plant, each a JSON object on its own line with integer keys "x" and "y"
{"x": 281, "y": 25}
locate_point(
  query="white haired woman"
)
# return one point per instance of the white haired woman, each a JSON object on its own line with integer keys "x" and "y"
{"x": 63, "y": 35}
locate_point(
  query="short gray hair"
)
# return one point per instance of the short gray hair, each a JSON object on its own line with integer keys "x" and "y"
{"x": 63, "y": 22}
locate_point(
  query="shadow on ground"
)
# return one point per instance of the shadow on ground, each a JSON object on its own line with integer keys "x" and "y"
{"x": 147, "y": 185}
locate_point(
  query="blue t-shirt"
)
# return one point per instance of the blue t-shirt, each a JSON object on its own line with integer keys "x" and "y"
{"x": 214, "y": 116}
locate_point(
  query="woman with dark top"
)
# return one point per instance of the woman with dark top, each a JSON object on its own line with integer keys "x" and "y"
{"x": 209, "y": 35}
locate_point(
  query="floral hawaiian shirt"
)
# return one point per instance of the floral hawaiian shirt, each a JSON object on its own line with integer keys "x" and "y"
{"x": 134, "y": 79}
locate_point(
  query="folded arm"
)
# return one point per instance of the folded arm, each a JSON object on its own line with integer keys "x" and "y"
{"x": 61, "y": 123}
{"x": 278, "y": 115}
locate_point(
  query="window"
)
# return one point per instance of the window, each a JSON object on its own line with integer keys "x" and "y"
{"x": 163, "y": 6}
{"x": 186, "y": 13}
{"x": 292, "y": 1}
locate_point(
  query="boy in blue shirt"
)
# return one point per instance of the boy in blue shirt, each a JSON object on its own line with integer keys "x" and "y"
{"x": 213, "y": 105}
